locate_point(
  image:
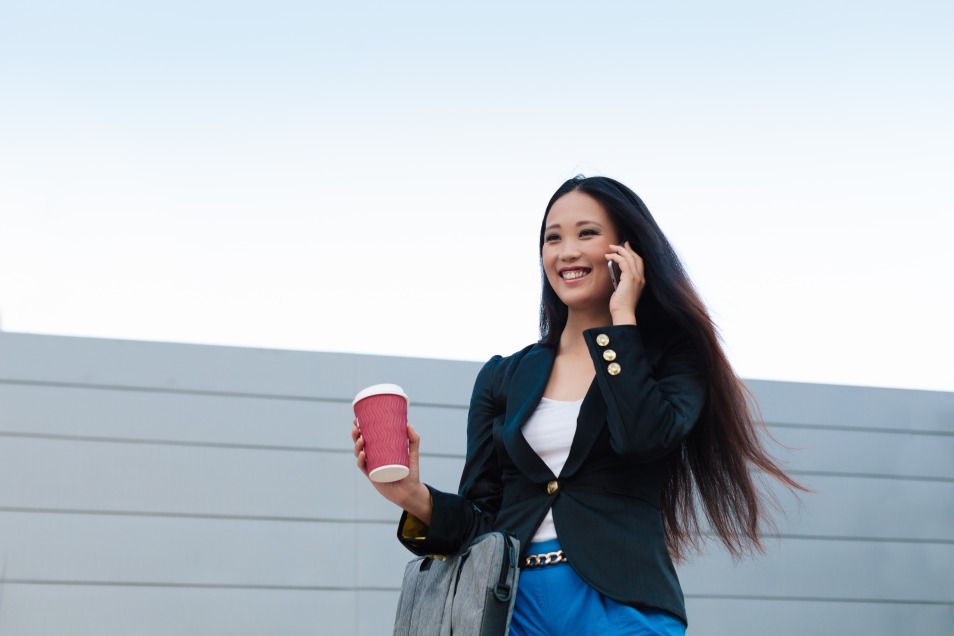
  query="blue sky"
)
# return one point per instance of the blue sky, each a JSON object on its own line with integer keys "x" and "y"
{"x": 369, "y": 177}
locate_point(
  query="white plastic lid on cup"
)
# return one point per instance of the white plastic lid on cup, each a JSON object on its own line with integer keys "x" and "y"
{"x": 380, "y": 389}
{"x": 389, "y": 473}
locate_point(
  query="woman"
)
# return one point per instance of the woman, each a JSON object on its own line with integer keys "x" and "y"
{"x": 592, "y": 445}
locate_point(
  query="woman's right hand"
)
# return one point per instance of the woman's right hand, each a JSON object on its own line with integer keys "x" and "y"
{"x": 408, "y": 493}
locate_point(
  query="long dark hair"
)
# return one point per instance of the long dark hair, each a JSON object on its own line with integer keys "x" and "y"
{"x": 713, "y": 464}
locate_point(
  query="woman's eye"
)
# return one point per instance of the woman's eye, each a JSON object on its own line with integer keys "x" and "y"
{"x": 552, "y": 237}
{"x": 588, "y": 233}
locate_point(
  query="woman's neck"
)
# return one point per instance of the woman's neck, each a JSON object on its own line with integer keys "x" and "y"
{"x": 571, "y": 340}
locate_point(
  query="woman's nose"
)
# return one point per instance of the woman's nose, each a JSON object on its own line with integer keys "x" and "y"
{"x": 569, "y": 251}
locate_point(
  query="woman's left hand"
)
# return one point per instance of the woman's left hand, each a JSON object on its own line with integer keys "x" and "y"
{"x": 632, "y": 281}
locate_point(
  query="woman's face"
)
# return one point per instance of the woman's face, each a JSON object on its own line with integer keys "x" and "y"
{"x": 576, "y": 237}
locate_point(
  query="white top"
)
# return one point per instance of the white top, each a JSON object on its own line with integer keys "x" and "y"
{"x": 550, "y": 431}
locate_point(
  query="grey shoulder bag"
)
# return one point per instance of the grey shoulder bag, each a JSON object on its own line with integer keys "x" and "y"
{"x": 468, "y": 594}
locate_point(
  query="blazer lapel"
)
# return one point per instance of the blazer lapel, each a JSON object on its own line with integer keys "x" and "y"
{"x": 591, "y": 421}
{"x": 527, "y": 384}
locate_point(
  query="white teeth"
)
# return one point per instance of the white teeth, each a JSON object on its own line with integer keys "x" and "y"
{"x": 573, "y": 274}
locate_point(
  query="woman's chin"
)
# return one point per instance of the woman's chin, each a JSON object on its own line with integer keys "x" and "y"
{"x": 587, "y": 303}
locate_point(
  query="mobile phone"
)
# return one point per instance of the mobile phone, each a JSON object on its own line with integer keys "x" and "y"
{"x": 615, "y": 273}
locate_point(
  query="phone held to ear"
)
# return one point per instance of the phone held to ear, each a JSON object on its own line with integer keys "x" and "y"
{"x": 615, "y": 273}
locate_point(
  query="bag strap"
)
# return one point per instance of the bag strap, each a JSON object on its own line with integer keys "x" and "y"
{"x": 508, "y": 569}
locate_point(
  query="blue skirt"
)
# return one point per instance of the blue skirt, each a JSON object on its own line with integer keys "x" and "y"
{"x": 553, "y": 600}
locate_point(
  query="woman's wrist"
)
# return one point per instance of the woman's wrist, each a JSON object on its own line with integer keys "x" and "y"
{"x": 624, "y": 318}
{"x": 420, "y": 504}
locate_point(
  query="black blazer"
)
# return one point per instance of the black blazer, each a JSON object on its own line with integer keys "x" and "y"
{"x": 642, "y": 404}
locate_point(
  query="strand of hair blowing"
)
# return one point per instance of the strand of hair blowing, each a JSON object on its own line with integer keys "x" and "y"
{"x": 718, "y": 455}
{"x": 713, "y": 466}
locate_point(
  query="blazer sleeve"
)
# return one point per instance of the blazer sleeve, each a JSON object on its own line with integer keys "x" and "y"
{"x": 651, "y": 409}
{"x": 457, "y": 519}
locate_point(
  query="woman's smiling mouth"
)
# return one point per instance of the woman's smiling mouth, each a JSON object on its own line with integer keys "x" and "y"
{"x": 573, "y": 274}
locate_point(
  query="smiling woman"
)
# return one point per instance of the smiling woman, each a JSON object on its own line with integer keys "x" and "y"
{"x": 615, "y": 424}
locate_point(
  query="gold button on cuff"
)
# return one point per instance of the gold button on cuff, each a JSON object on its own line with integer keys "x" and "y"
{"x": 613, "y": 368}
{"x": 602, "y": 340}
{"x": 552, "y": 486}
{"x": 609, "y": 355}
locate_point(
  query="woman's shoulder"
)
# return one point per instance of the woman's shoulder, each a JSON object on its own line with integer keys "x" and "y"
{"x": 513, "y": 358}
{"x": 504, "y": 365}
{"x": 496, "y": 372}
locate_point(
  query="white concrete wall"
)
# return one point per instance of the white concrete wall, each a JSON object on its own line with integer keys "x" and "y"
{"x": 151, "y": 488}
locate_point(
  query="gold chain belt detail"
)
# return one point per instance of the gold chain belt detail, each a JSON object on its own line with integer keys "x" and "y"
{"x": 548, "y": 558}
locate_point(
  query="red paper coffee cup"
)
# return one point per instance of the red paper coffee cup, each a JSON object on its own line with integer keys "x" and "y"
{"x": 381, "y": 411}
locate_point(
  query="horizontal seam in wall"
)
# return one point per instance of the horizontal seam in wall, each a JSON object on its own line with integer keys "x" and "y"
{"x": 348, "y": 451}
{"x": 223, "y": 445}
{"x": 459, "y": 406}
{"x": 163, "y": 442}
{"x": 843, "y": 538}
{"x": 860, "y": 429}
{"x": 214, "y": 586}
{"x": 390, "y": 522}
{"x": 817, "y": 599}
{"x": 824, "y": 473}
{"x": 190, "y": 515}
{"x": 210, "y": 393}
{"x": 854, "y": 539}
{"x": 328, "y": 588}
